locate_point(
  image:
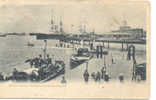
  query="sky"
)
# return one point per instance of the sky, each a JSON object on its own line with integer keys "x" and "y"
{"x": 101, "y": 17}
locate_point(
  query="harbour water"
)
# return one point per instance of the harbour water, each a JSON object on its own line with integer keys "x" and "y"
{"x": 14, "y": 51}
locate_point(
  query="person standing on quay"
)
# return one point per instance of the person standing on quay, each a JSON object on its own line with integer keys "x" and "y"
{"x": 103, "y": 71}
{"x": 106, "y": 79}
{"x": 121, "y": 77}
{"x": 63, "y": 81}
{"x": 1, "y": 76}
{"x": 98, "y": 76}
{"x": 86, "y": 75}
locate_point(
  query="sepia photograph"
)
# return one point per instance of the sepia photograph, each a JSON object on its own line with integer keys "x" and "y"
{"x": 99, "y": 46}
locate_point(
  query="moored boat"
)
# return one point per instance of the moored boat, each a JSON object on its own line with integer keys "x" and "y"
{"x": 30, "y": 44}
{"x": 3, "y": 35}
{"x": 40, "y": 70}
{"x": 82, "y": 56}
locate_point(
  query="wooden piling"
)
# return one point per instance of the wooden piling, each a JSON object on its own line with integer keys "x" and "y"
{"x": 127, "y": 47}
{"x": 108, "y": 44}
{"x": 103, "y": 44}
{"x": 87, "y": 65}
{"x": 122, "y": 46}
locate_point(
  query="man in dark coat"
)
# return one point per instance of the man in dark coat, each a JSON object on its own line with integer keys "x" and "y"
{"x": 121, "y": 77}
{"x": 106, "y": 77}
{"x": 1, "y": 77}
{"x": 98, "y": 77}
{"x": 86, "y": 75}
{"x": 103, "y": 71}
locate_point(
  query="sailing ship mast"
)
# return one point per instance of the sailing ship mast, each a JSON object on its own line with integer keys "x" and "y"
{"x": 61, "y": 26}
{"x": 56, "y": 28}
{"x": 52, "y": 23}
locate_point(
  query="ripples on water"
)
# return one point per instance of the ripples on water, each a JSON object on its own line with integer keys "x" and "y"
{"x": 14, "y": 51}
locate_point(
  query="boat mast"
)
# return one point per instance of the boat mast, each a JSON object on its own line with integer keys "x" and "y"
{"x": 61, "y": 26}
{"x": 52, "y": 23}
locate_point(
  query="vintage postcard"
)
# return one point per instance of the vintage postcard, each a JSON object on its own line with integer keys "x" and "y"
{"x": 75, "y": 49}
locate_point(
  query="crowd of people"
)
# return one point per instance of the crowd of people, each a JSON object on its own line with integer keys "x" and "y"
{"x": 97, "y": 76}
{"x": 36, "y": 62}
{"x": 39, "y": 61}
{"x": 100, "y": 75}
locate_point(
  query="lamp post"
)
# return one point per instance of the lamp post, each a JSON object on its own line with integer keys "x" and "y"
{"x": 45, "y": 49}
{"x": 87, "y": 65}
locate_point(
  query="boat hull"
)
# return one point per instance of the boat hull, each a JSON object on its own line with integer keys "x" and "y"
{"x": 42, "y": 74}
{"x": 76, "y": 63}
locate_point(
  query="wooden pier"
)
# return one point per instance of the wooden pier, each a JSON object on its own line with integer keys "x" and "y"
{"x": 106, "y": 43}
{"x": 87, "y": 41}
